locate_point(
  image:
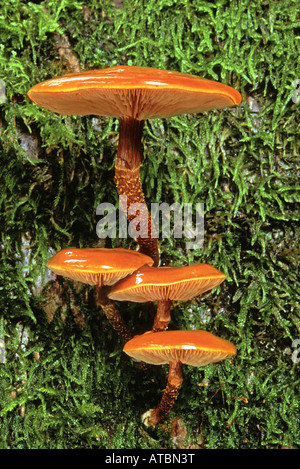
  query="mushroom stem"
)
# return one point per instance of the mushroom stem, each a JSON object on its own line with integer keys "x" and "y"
{"x": 170, "y": 395}
{"x": 163, "y": 316}
{"x": 111, "y": 312}
{"x": 128, "y": 182}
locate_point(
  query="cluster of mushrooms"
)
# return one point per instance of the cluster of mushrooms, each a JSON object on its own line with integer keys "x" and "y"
{"x": 134, "y": 94}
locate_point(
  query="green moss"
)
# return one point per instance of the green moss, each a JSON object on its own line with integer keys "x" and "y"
{"x": 81, "y": 391}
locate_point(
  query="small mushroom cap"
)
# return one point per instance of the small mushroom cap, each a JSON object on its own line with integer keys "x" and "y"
{"x": 166, "y": 283}
{"x": 97, "y": 266}
{"x": 197, "y": 348}
{"x": 137, "y": 92}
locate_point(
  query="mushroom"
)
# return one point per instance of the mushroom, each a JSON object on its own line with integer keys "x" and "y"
{"x": 165, "y": 284}
{"x": 100, "y": 267}
{"x": 176, "y": 348}
{"x": 133, "y": 94}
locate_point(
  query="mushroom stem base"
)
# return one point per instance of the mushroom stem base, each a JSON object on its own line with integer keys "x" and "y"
{"x": 115, "y": 319}
{"x": 128, "y": 182}
{"x": 157, "y": 415}
{"x": 163, "y": 316}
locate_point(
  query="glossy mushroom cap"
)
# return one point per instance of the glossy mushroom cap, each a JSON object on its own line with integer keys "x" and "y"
{"x": 197, "y": 348}
{"x": 137, "y": 92}
{"x": 97, "y": 266}
{"x": 166, "y": 283}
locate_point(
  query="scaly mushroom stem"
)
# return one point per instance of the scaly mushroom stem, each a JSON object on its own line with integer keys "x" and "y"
{"x": 128, "y": 182}
{"x": 163, "y": 316}
{"x": 157, "y": 415}
{"x": 111, "y": 312}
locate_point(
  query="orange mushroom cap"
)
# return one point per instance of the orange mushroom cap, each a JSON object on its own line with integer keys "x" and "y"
{"x": 197, "y": 348}
{"x": 166, "y": 283}
{"x": 97, "y": 266}
{"x": 137, "y": 92}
